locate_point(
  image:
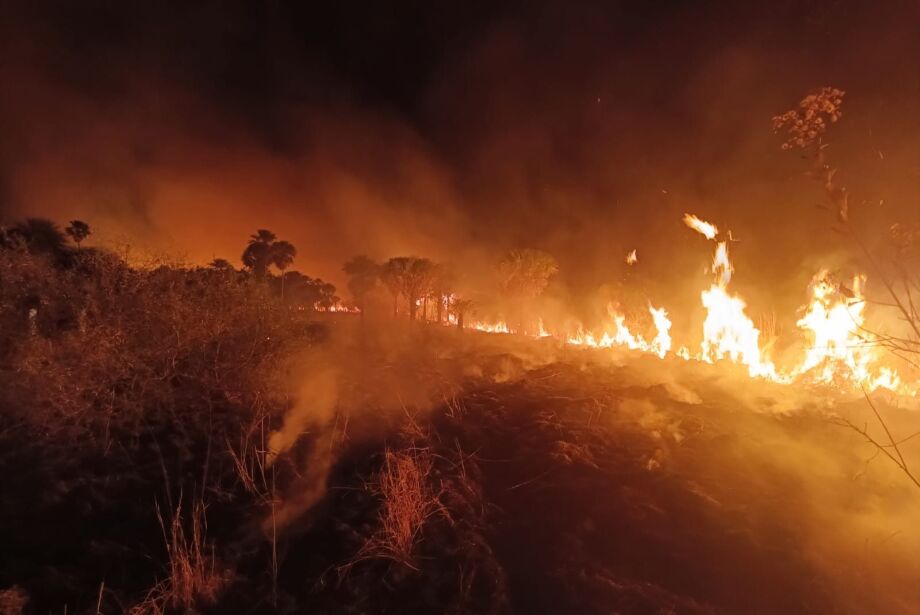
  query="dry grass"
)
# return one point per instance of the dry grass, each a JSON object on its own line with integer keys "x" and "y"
{"x": 194, "y": 577}
{"x": 408, "y": 503}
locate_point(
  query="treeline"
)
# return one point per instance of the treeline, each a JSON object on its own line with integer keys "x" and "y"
{"x": 426, "y": 290}
{"x": 415, "y": 287}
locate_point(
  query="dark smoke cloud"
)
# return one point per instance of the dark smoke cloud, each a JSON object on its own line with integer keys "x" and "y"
{"x": 456, "y": 133}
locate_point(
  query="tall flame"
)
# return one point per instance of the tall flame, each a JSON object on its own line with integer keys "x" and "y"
{"x": 839, "y": 349}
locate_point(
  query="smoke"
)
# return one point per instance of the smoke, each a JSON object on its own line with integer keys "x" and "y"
{"x": 586, "y": 131}
{"x": 314, "y": 406}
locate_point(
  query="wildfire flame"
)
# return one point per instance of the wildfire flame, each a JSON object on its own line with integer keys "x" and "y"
{"x": 705, "y": 228}
{"x": 839, "y": 352}
{"x": 335, "y": 307}
{"x": 839, "y": 349}
{"x": 631, "y": 258}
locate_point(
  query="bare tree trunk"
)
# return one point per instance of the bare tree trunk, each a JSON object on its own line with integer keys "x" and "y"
{"x": 440, "y": 308}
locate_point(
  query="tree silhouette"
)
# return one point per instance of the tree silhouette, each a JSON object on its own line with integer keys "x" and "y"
{"x": 523, "y": 276}
{"x": 443, "y": 279}
{"x": 461, "y": 308}
{"x": 221, "y": 264}
{"x": 282, "y": 256}
{"x": 78, "y": 231}
{"x": 308, "y": 292}
{"x": 257, "y": 255}
{"x": 390, "y": 275}
{"x": 410, "y": 277}
{"x": 40, "y": 236}
{"x": 263, "y": 251}
{"x": 363, "y": 276}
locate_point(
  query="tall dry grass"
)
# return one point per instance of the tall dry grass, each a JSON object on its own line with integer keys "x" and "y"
{"x": 408, "y": 501}
{"x": 194, "y": 577}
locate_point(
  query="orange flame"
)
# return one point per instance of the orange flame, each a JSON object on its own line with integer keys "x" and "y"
{"x": 838, "y": 353}
{"x": 707, "y": 229}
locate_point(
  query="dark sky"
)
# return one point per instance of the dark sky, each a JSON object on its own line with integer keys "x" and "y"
{"x": 455, "y": 130}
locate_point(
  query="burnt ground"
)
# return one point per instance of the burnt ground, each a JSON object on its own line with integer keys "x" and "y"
{"x": 565, "y": 482}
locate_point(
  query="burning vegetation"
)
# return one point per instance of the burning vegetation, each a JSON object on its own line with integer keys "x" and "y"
{"x": 249, "y": 440}
{"x": 449, "y": 370}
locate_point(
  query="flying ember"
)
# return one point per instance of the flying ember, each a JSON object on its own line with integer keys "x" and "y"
{"x": 705, "y": 228}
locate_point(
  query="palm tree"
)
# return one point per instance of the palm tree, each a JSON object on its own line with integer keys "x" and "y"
{"x": 78, "y": 231}
{"x": 409, "y": 276}
{"x": 258, "y": 253}
{"x": 282, "y": 255}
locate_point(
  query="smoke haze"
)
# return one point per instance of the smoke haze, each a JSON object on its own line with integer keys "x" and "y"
{"x": 457, "y": 133}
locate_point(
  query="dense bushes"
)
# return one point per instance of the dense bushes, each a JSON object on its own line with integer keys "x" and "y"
{"x": 98, "y": 341}
{"x": 121, "y": 389}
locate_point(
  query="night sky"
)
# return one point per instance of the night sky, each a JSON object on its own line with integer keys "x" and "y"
{"x": 456, "y": 130}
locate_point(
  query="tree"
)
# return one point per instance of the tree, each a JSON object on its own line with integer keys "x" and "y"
{"x": 40, "y": 236}
{"x": 308, "y": 292}
{"x": 461, "y": 308}
{"x": 363, "y": 276}
{"x": 391, "y": 278}
{"x": 410, "y": 277}
{"x": 282, "y": 256}
{"x": 524, "y": 274}
{"x": 443, "y": 280}
{"x": 78, "y": 231}
{"x": 263, "y": 251}
{"x": 220, "y": 264}
{"x": 257, "y": 255}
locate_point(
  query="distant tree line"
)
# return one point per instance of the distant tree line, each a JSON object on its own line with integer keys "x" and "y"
{"x": 431, "y": 291}
{"x": 418, "y": 287}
